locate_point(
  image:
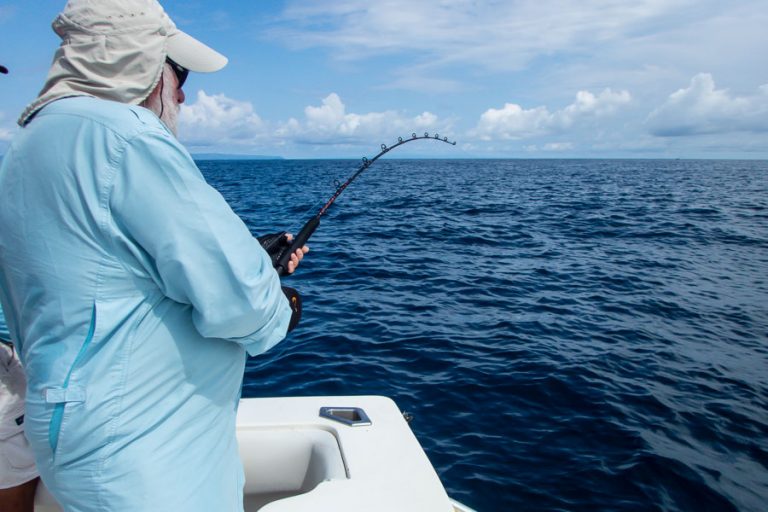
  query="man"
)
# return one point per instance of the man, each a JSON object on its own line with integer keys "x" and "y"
{"x": 18, "y": 475}
{"x": 131, "y": 288}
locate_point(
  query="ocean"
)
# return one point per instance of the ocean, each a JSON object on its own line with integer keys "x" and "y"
{"x": 569, "y": 335}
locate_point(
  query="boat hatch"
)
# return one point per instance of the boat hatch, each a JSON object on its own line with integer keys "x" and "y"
{"x": 352, "y": 416}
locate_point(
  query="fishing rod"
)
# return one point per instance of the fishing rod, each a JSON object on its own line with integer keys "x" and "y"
{"x": 277, "y": 246}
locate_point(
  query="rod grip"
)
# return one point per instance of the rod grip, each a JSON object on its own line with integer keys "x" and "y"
{"x": 298, "y": 241}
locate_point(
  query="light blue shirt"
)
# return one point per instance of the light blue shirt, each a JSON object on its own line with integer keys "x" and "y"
{"x": 133, "y": 292}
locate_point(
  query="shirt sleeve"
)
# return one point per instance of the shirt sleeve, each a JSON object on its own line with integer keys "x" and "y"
{"x": 199, "y": 252}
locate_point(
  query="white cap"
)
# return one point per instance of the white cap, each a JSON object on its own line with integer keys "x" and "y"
{"x": 116, "y": 50}
{"x": 123, "y": 17}
{"x": 188, "y": 52}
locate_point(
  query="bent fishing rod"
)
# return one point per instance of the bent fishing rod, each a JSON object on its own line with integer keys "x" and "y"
{"x": 282, "y": 255}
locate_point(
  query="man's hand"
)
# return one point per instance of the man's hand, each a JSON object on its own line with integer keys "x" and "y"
{"x": 297, "y": 255}
{"x": 276, "y": 243}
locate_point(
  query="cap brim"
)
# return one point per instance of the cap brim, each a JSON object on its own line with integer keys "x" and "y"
{"x": 190, "y": 53}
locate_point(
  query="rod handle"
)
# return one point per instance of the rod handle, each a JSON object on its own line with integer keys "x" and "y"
{"x": 281, "y": 265}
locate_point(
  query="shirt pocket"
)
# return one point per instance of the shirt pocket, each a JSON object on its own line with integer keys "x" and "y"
{"x": 67, "y": 399}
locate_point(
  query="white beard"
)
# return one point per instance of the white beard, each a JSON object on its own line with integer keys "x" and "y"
{"x": 162, "y": 100}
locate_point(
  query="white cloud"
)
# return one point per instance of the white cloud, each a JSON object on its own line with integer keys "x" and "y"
{"x": 550, "y": 147}
{"x": 558, "y": 146}
{"x": 587, "y": 104}
{"x": 217, "y": 119}
{"x": 491, "y": 33}
{"x": 701, "y": 108}
{"x": 514, "y": 122}
{"x": 330, "y": 123}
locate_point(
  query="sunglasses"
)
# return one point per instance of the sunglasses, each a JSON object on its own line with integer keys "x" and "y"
{"x": 181, "y": 72}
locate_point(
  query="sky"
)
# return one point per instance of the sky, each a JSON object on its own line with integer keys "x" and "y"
{"x": 503, "y": 78}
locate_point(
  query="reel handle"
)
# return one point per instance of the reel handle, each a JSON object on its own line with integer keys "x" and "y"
{"x": 281, "y": 265}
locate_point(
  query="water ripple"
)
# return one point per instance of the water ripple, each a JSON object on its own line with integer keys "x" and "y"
{"x": 569, "y": 335}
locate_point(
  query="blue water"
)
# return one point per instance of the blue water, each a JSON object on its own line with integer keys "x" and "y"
{"x": 569, "y": 335}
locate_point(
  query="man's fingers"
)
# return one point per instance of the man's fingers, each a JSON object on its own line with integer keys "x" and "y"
{"x": 297, "y": 255}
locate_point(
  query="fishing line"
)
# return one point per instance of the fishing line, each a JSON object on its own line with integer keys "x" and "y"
{"x": 281, "y": 257}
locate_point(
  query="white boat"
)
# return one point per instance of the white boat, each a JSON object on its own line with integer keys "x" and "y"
{"x": 329, "y": 454}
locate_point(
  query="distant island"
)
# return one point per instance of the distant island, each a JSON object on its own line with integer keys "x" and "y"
{"x": 221, "y": 156}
